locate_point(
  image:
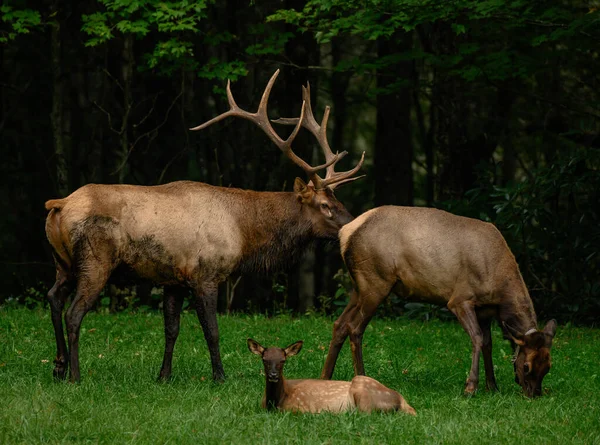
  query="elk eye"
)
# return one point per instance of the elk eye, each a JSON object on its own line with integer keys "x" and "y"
{"x": 324, "y": 206}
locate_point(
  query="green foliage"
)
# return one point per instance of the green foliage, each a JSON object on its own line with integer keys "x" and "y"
{"x": 174, "y": 24}
{"x": 335, "y": 304}
{"x": 16, "y": 21}
{"x": 215, "y": 69}
{"x": 119, "y": 400}
{"x": 268, "y": 42}
{"x": 493, "y": 37}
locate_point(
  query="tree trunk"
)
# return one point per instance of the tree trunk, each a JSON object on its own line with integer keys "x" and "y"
{"x": 465, "y": 146}
{"x": 126, "y": 75}
{"x": 393, "y": 143}
{"x": 57, "y": 116}
{"x": 303, "y": 52}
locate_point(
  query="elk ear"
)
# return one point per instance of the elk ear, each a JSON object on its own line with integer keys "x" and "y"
{"x": 550, "y": 328}
{"x": 293, "y": 349}
{"x": 304, "y": 192}
{"x": 514, "y": 335}
{"x": 255, "y": 347}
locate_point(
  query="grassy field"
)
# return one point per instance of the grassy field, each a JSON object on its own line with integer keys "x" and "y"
{"x": 119, "y": 400}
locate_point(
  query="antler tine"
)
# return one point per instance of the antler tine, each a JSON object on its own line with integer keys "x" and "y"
{"x": 332, "y": 178}
{"x": 234, "y": 110}
{"x": 339, "y": 178}
{"x": 261, "y": 119}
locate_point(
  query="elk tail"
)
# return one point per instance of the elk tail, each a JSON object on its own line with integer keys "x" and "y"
{"x": 55, "y": 204}
{"x": 57, "y": 239}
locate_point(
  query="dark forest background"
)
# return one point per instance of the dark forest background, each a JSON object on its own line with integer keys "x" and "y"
{"x": 489, "y": 109}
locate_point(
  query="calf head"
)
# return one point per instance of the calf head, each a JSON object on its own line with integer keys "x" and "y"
{"x": 532, "y": 357}
{"x": 274, "y": 358}
{"x": 325, "y": 212}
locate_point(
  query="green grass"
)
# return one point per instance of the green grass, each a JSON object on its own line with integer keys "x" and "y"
{"x": 119, "y": 400}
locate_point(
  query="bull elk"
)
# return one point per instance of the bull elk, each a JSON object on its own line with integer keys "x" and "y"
{"x": 187, "y": 235}
{"x": 430, "y": 255}
{"x": 313, "y": 396}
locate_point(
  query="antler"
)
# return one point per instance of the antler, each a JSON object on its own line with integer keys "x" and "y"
{"x": 332, "y": 178}
{"x": 261, "y": 119}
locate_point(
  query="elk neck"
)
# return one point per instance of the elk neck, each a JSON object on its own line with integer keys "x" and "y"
{"x": 275, "y": 231}
{"x": 518, "y": 313}
{"x": 275, "y": 393}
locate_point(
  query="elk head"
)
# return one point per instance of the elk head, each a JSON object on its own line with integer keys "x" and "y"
{"x": 274, "y": 358}
{"x": 532, "y": 357}
{"x": 323, "y": 209}
{"x": 327, "y": 214}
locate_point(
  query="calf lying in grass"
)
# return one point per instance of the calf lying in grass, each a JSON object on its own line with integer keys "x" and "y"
{"x": 313, "y": 396}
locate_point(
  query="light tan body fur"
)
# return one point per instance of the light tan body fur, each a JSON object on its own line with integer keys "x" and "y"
{"x": 362, "y": 393}
{"x": 161, "y": 214}
{"x": 435, "y": 256}
{"x": 429, "y": 255}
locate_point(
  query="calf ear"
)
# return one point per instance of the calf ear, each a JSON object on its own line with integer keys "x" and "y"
{"x": 293, "y": 349}
{"x": 550, "y": 328}
{"x": 255, "y": 347}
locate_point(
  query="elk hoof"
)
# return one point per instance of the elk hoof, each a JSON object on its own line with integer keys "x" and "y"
{"x": 74, "y": 378}
{"x": 491, "y": 386}
{"x": 163, "y": 377}
{"x": 470, "y": 388}
{"x": 60, "y": 372}
{"x": 219, "y": 377}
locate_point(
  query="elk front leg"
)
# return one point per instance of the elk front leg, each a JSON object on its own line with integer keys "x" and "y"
{"x": 467, "y": 317}
{"x": 206, "y": 308}
{"x": 172, "y": 303}
{"x": 57, "y": 297}
{"x": 486, "y": 349}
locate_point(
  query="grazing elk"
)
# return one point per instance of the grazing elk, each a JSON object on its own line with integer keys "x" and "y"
{"x": 313, "y": 396}
{"x": 187, "y": 235}
{"x": 429, "y": 255}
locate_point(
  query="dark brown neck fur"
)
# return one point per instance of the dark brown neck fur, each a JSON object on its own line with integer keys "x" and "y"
{"x": 274, "y": 394}
{"x": 278, "y": 235}
{"x": 519, "y": 314}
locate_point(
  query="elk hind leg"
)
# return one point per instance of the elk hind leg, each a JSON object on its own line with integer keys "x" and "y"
{"x": 92, "y": 278}
{"x": 57, "y": 297}
{"x": 370, "y": 292}
{"x": 370, "y": 395}
{"x": 172, "y": 304}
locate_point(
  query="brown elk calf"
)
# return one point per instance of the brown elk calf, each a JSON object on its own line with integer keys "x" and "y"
{"x": 429, "y": 255}
{"x": 313, "y": 396}
{"x": 187, "y": 235}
